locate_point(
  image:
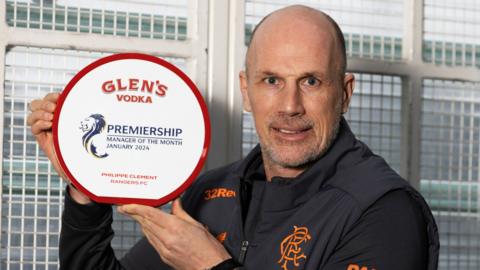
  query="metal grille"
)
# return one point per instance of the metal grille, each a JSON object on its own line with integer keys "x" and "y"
{"x": 249, "y": 134}
{"x": 450, "y": 167}
{"x": 32, "y": 195}
{"x": 374, "y": 116}
{"x": 122, "y": 18}
{"x": 372, "y": 28}
{"x": 451, "y": 32}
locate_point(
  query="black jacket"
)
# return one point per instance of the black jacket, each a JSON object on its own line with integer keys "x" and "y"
{"x": 349, "y": 211}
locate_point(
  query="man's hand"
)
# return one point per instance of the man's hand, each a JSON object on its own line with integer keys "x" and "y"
{"x": 181, "y": 241}
{"x": 40, "y": 121}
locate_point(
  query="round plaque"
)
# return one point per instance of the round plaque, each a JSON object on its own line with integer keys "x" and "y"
{"x": 131, "y": 128}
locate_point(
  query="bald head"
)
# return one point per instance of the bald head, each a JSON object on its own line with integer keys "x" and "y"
{"x": 293, "y": 22}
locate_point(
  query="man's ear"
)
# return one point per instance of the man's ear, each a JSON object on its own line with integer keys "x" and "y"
{"x": 348, "y": 86}
{"x": 244, "y": 88}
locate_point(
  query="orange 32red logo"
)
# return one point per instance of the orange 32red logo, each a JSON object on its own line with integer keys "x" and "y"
{"x": 215, "y": 193}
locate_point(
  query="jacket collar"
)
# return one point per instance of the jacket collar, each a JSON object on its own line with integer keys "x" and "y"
{"x": 294, "y": 191}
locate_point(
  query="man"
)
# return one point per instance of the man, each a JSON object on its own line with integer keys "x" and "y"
{"x": 310, "y": 196}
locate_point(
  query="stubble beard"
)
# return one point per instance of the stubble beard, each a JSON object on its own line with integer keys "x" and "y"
{"x": 311, "y": 154}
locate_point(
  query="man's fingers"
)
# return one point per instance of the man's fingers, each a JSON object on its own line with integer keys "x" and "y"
{"x": 52, "y": 97}
{"x": 147, "y": 212}
{"x": 139, "y": 219}
{"x": 150, "y": 227}
{"x": 39, "y": 116}
{"x": 136, "y": 209}
{"x": 43, "y": 104}
{"x": 142, "y": 220}
{"x": 40, "y": 126}
{"x": 178, "y": 211}
{"x": 49, "y": 106}
{"x": 36, "y": 104}
{"x": 157, "y": 216}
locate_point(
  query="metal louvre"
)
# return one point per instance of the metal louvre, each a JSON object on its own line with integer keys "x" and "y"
{"x": 451, "y": 33}
{"x": 450, "y": 163}
{"x": 249, "y": 134}
{"x": 118, "y": 18}
{"x": 32, "y": 195}
{"x": 372, "y": 28}
{"x": 375, "y": 115}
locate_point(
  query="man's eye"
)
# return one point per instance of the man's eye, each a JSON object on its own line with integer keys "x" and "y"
{"x": 311, "y": 81}
{"x": 271, "y": 80}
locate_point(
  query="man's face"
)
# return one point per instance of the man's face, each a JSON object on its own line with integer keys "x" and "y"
{"x": 296, "y": 95}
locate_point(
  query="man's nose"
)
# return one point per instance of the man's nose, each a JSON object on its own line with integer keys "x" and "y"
{"x": 291, "y": 102}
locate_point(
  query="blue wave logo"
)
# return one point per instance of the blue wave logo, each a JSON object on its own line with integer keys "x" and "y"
{"x": 93, "y": 126}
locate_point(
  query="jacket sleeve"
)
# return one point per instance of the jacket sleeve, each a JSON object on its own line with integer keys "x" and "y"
{"x": 391, "y": 234}
{"x": 85, "y": 240}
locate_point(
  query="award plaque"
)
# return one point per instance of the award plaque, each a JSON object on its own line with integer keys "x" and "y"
{"x": 131, "y": 128}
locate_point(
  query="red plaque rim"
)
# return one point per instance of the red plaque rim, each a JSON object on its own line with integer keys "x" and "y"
{"x": 118, "y": 200}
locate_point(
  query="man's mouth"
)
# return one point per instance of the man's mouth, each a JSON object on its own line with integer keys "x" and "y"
{"x": 290, "y": 131}
{"x": 291, "y": 134}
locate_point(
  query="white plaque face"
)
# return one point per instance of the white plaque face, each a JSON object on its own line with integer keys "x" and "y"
{"x": 131, "y": 128}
